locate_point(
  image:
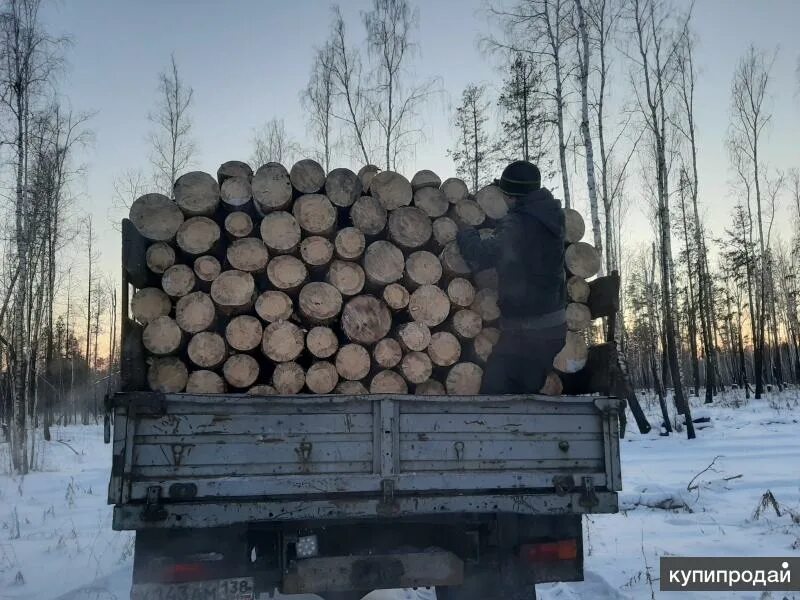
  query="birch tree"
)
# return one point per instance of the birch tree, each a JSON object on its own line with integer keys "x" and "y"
{"x": 317, "y": 99}
{"x": 473, "y": 150}
{"x": 272, "y": 143}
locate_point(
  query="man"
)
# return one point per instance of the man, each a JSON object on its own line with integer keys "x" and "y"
{"x": 527, "y": 250}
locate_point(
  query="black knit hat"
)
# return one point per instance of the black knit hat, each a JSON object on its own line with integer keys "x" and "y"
{"x": 520, "y": 178}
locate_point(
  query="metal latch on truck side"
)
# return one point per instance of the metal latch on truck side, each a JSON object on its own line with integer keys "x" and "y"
{"x": 153, "y": 511}
{"x": 588, "y": 497}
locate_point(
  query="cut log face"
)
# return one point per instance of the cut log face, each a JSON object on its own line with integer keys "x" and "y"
{"x": 322, "y": 377}
{"x": 307, "y": 176}
{"x": 316, "y": 251}
{"x": 205, "y": 382}
{"x": 280, "y": 232}
{"x": 352, "y": 362}
{"x": 241, "y": 370}
{"x": 429, "y": 305}
{"x": 195, "y": 312}
{"x": 430, "y": 388}
{"x": 383, "y": 263}
{"x": 409, "y": 227}
{"x": 319, "y": 302}
{"x": 577, "y": 289}
{"x": 365, "y": 174}
{"x": 343, "y": 187}
{"x": 464, "y": 379}
{"x": 322, "y": 342}
{"x": 283, "y": 341}
{"x": 387, "y": 353}
{"x": 388, "y": 382}
{"x": 238, "y": 224}
{"x": 287, "y": 273}
{"x": 262, "y": 390}
{"x": 272, "y": 188}
{"x": 178, "y": 280}
{"x": 156, "y": 217}
{"x": 391, "y": 189}
{"x": 445, "y": 231}
{"x": 579, "y": 317}
{"x": 396, "y": 296}
{"x": 483, "y": 344}
{"x": 575, "y": 226}
{"x": 350, "y": 243}
{"x": 487, "y": 279}
{"x": 467, "y": 324}
{"x": 582, "y": 259}
{"x": 351, "y": 388}
{"x": 573, "y": 356}
{"x": 492, "y": 201}
{"x": 485, "y": 304}
{"x": 368, "y": 216}
{"x": 416, "y": 367}
{"x": 347, "y": 277}
{"x": 249, "y": 255}
{"x": 425, "y": 179}
{"x": 431, "y": 201}
{"x": 455, "y": 190}
{"x": 461, "y": 292}
{"x": 198, "y": 235}
{"x": 422, "y": 268}
{"x": 366, "y": 320}
{"x": 453, "y": 263}
{"x": 315, "y": 214}
{"x": 207, "y": 268}
{"x": 414, "y": 336}
{"x": 159, "y": 257}
{"x": 273, "y": 306}
{"x": 162, "y": 336}
{"x": 168, "y": 375}
{"x": 207, "y": 350}
{"x": 197, "y": 194}
{"x": 467, "y": 213}
{"x": 244, "y": 333}
{"x": 233, "y": 292}
{"x": 288, "y": 378}
{"x": 236, "y": 193}
{"x": 233, "y": 168}
{"x": 444, "y": 349}
{"x": 150, "y": 303}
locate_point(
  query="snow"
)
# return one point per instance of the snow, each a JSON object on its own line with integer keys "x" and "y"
{"x": 56, "y": 540}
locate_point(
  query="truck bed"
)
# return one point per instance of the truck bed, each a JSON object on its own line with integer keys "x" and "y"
{"x": 184, "y": 460}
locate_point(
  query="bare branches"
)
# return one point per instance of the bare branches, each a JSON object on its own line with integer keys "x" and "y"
{"x": 272, "y": 143}
{"x": 474, "y": 149}
{"x": 318, "y": 98}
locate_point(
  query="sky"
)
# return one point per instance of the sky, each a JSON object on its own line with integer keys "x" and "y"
{"x": 247, "y": 61}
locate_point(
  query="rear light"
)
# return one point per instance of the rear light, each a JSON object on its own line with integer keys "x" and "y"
{"x": 184, "y": 572}
{"x": 549, "y": 551}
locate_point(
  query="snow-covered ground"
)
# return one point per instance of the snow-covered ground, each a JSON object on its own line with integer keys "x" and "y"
{"x": 56, "y": 540}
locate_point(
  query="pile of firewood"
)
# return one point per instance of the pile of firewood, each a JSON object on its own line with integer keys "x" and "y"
{"x": 300, "y": 282}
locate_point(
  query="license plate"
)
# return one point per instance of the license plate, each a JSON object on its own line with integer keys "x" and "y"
{"x": 238, "y": 588}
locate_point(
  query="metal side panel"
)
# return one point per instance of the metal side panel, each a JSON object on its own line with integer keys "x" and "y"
{"x": 118, "y": 447}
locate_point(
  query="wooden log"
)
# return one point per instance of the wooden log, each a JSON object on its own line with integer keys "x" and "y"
{"x": 287, "y": 273}
{"x": 365, "y": 319}
{"x": 467, "y": 213}
{"x": 430, "y": 388}
{"x": 492, "y": 201}
{"x": 464, "y": 379}
{"x": 416, "y": 367}
{"x": 582, "y": 259}
{"x": 352, "y": 362}
{"x": 444, "y": 232}
{"x": 273, "y": 306}
{"x": 197, "y": 194}
{"x": 233, "y": 292}
{"x": 429, "y": 305}
{"x": 396, "y": 296}
{"x": 388, "y": 382}
{"x": 241, "y": 370}
{"x": 283, "y": 341}
{"x": 484, "y": 343}
{"x": 156, "y": 217}
{"x": 134, "y": 255}
{"x": 391, "y": 189}
{"x": 579, "y": 317}
{"x": 206, "y": 269}
{"x": 178, "y": 280}
{"x": 233, "y": 168}
{"x": 575, "y": 226}
{"x": 431, "y": 201}
{"x": 244, "y": 333}
{"x": 322, "y": 342}
{"x": 425, "y": 179}
{"x": 350, "y": 243}
{"x": 207, "y": 350}
{"x": 249, "y": 255}
{"x": 409, "y": 227}
{"x": 368, "y": 216}
{"x": 444, "y": 349}
{"x": 343, "y": 187}
{"x": 205, "y": 382}
{"x": 307, "y": 176}
{"x": 160, "y": 256}
{"x": 195, "y": 312}
{"x": 552, "y": 385}
{"x": 198, "y": 235}
{"x": 577, "y": 289}
{"x": 271, "y": 188}
{"x": 485, "y": 304}
{"x": 319, "y": 302}
{"x": 387, "y": 353}
{"x": 150, "y": 303}
{"x": 347, "y": 277}
{"x": 316, "y": 252}
{"x": 365, "y": 174}
{"x": 236, "y": 193}
{"x": 383, "y": 263}
{"x": 461, "y": 292}
{"x": 414, "y": 336}
{"x": 238, "y": 224}
{"x": 288, "y": 378}
{"x": 453, "y": 263}
{"x": 422, "y": 268}
{"x": 572, "y": 357}
{"x": 280, "y": 232}
{"x": 262, "y": 389}
{"x": 322, "y": 377}
{"x": 486, "y": 279}
{"x": 168, "y": 375}
{"x": 466, "y": 323}
{"x": 315, "y": 214}
{"x": 351, "y": 388}
{"x": 162, "y": 336}
{"x": 454, "y": 190}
